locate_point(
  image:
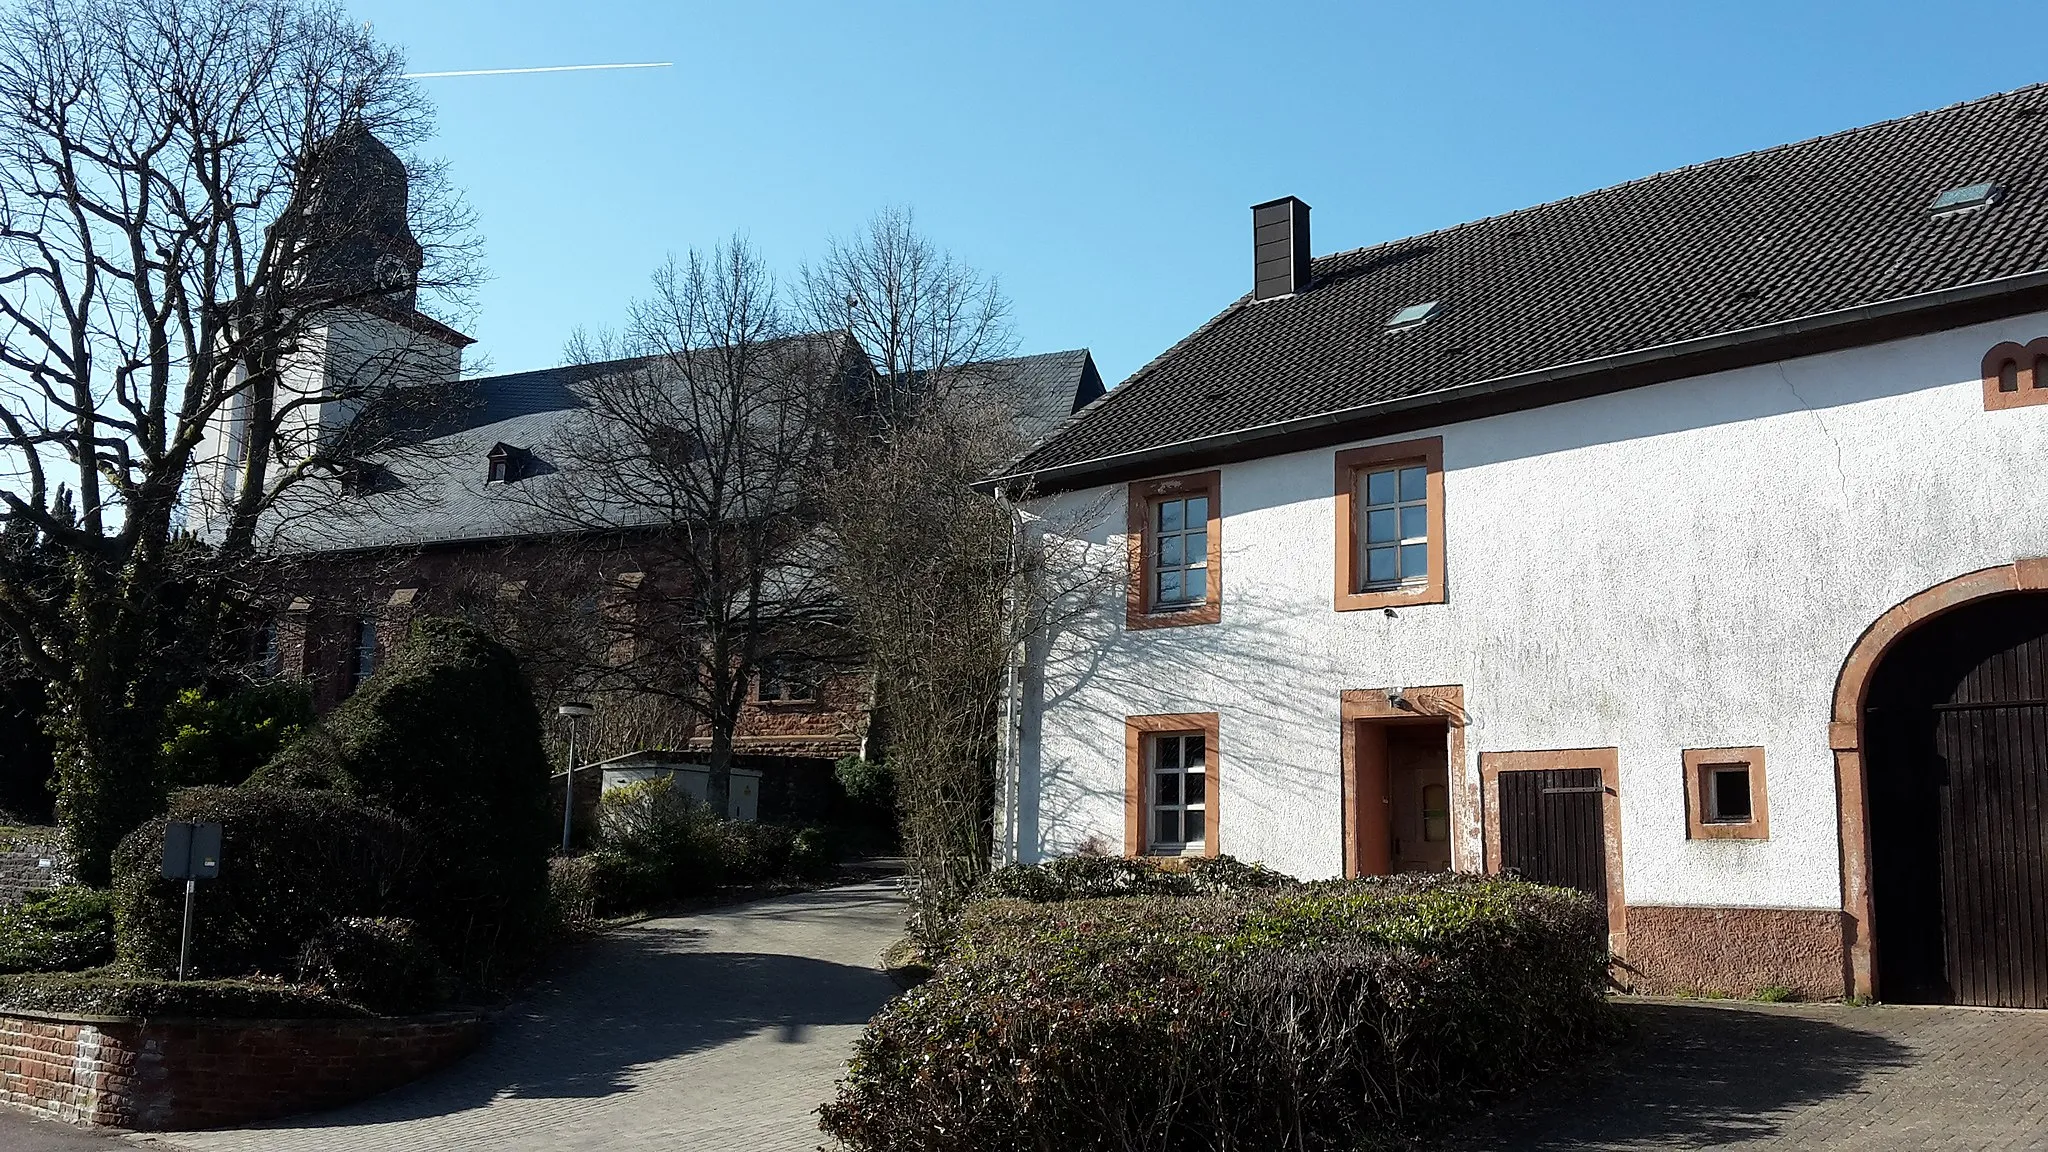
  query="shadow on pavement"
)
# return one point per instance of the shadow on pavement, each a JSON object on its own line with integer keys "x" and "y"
{"x": 1692, "y": 1076}
{"x": 635, "y": 1001}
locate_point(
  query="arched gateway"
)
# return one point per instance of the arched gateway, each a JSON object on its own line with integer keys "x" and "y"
{"x": 1941, "y": 747}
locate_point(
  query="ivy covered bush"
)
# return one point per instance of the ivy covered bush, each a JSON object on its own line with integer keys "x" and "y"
{"x": 113, "y": 992}
{"x": 292, "y": 861}
{"x": 1268, "y": 1015}
{"x": 58, "y": 930}
{"x": 382, "y": 963}
{"x": 220, "y": 736}
{"x": 445, "y": 734}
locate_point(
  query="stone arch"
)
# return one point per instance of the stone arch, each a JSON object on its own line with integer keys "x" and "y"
{"x": 1845, "y": 737}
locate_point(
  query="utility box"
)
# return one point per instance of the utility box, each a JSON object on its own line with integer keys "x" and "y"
{"x": 693, "y": 779}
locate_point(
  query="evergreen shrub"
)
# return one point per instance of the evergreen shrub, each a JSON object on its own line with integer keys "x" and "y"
{"x": 446, "y": 735}
{"x": 1331, "y": 1015}
{"x": 114, "y": 992}
{"x": 292, "y": 860}
{"x": 57, "y": 930}
{"x": 384, "y": 964}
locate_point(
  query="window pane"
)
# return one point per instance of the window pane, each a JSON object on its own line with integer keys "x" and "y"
{"x": 1169, "y": 515}
{"x": 1731, "y": 795}
{"x": 2041, "y": 372}
{"x": 1198, "y": 511}
{"x": 1165, "y": 826}
{"x": 1169, "y": 588}
{"x": 1436, "y": 813}
{"x": 1169, "y": 551}
{"x": 1197, "y": 788}
{"x": 1166, "y": 752}
{"x": 1414, "y": 522}
{"x": 1414, "y": 483}
{"x": 1197, "y": 584}
{"x": 1166, "y": 788}
{"x": 1194, "y": 828}
{"x": 1379, "y": 488}
{"x": 1195, "y": 751}
{"x": 1379, "y": 565}
{"x": 1198, "y": 545}
{"x": 2008, "y": 378}
{"x": 1379, "y": 526}
{"x": 1414, "y": 561}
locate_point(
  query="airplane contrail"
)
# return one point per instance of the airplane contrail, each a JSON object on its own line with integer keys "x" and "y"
{"x": 518, "y": 71}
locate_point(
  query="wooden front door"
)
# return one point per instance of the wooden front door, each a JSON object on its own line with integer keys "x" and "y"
{"x": 1958, "y": 762}
{"x": 1551, "y": 829}
{"x": 1418, "y": 765}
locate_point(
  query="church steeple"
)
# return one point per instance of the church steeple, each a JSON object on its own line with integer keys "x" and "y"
{"x": 359, "y": 241}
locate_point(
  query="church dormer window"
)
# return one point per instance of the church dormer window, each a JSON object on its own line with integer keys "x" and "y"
{"x": 507, "y": 464}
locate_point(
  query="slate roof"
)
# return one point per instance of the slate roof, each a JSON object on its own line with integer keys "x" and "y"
{"x": 438, "y": 493}
{"x": 1729, "y": 246}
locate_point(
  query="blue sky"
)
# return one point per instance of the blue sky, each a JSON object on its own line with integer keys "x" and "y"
{"x": 1101, "y": 158}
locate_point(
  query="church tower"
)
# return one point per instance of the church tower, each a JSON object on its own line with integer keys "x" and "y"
{"x": 360, "y": 252}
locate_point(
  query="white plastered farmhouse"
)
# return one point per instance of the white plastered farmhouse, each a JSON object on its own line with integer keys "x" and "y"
{"x": 1682, "y": 541}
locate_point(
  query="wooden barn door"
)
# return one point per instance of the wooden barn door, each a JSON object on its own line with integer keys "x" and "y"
{"x": 1551, "y": 829}
{"x": 1959, "y": 793}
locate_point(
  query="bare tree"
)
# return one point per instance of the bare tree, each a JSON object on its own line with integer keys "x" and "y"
{"x": 190, "y": 192}
{"x": 694, "y": 474}
{"x": 919, "y": 314}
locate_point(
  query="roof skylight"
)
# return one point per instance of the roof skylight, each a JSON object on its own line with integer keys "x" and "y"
{"x": 1412, "y": 315}
{"x": 1964, "y": 198}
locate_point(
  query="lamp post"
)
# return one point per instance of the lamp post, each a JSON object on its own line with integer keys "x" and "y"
{"x": 572, "y": 711}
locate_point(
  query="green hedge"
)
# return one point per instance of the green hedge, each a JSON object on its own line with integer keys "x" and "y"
{"x": 384, "y": 964}
{"x": 58, "y": 930}
{"x": 292, "y": 861}
{"x": 1319, "y": 1016}
{"x": 114, "y": 993}
{"x": 446, "y": 735}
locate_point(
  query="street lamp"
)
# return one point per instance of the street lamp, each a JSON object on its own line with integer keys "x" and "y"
{"x": 573, "y": 711}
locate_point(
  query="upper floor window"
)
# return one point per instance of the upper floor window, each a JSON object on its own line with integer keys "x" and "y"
{"x": 1176, "y": 551}
{"x": 507, "y": 464}
{"x": 782, "y": 680}
{"x": 1390, "y": 525}
{"x": 2016, "y": 375}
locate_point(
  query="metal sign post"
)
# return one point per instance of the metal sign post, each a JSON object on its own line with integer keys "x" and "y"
{"x": 191, "y": 854}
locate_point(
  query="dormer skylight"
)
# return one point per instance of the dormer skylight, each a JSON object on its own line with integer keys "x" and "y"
{"x": 1965, "y": 198}
{"x": 1412, "y": 315}
{"x": 507, "y": 464}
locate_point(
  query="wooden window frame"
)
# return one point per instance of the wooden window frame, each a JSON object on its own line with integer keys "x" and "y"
{"x": 1608, "y": 761}
{"x": 1141, "y": 495}
{"x": 784, "y": 677}
{"x": 1137, "y": 733}
{"x": 1699, "y": 762}
{"x": 1429, "y": 452}
{"x": 2032, "y": 389}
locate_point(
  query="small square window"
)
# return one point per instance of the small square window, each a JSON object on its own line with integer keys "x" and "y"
{"x": 1728, "y": 793}
{"x": 782, "y": 680}
{"x": 1724, "y": 794}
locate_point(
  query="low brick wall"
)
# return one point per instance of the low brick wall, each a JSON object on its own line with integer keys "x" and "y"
{"x": 178, "y": 1075}
{"x": 23, "y": 867}
{"x": 1735, "y": 951}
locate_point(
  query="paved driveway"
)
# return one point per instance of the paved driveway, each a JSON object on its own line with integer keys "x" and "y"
{"x": 719, "y": 1030}
{"x": 1719, "y": 1075}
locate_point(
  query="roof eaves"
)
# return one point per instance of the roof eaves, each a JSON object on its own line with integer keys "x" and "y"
{"x": 1068, "y": 476}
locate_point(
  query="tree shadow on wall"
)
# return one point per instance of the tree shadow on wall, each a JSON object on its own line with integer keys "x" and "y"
{"x": 1690, "y": 1076}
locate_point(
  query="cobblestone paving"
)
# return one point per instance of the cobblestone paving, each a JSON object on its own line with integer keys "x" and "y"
{"x": 714, "y": 1031}
{"x": 1714, "y": 1075}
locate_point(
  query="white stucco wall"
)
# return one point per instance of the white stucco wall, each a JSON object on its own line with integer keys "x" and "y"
{"x": 1679, "y": 566}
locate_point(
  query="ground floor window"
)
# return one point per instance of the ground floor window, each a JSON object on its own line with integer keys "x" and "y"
{"x": 1180, "y": 792}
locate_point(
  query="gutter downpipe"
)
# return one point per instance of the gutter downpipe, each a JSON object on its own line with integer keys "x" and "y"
{"x": 1009, "y": 747}
{"x": 1057, "y": 478}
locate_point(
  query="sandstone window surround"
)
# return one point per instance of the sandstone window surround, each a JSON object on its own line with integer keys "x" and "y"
{"x": 1170, "y": 784}
{"x": 1390, "y": 525}
{"x": 1725, "y": 796}
{"x": 1175, "y": 532}
{"x": 2016, "y": 375}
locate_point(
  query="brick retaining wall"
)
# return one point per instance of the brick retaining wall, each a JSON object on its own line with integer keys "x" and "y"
{"x": 178, "y": 1075}
{"x": 22, "y": 854}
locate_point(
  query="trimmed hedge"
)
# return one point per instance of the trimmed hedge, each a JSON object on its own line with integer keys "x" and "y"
{"x": 114, "y": 993}
{"x": 57, "y": 930}
{"x": 446, "y": 735}
{"x": 1318, "y": 1016}
{"x": 291, "y": 862}
{"x": 386, "y": 965}
{"x": 1090, "y": 877}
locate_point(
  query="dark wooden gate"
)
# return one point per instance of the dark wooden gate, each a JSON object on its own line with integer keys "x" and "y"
{"x": 1551, "y": 830}
{"x": 1958, "y": 739}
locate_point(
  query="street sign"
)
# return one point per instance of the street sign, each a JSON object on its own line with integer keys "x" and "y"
{"x": 191, "y": 850}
